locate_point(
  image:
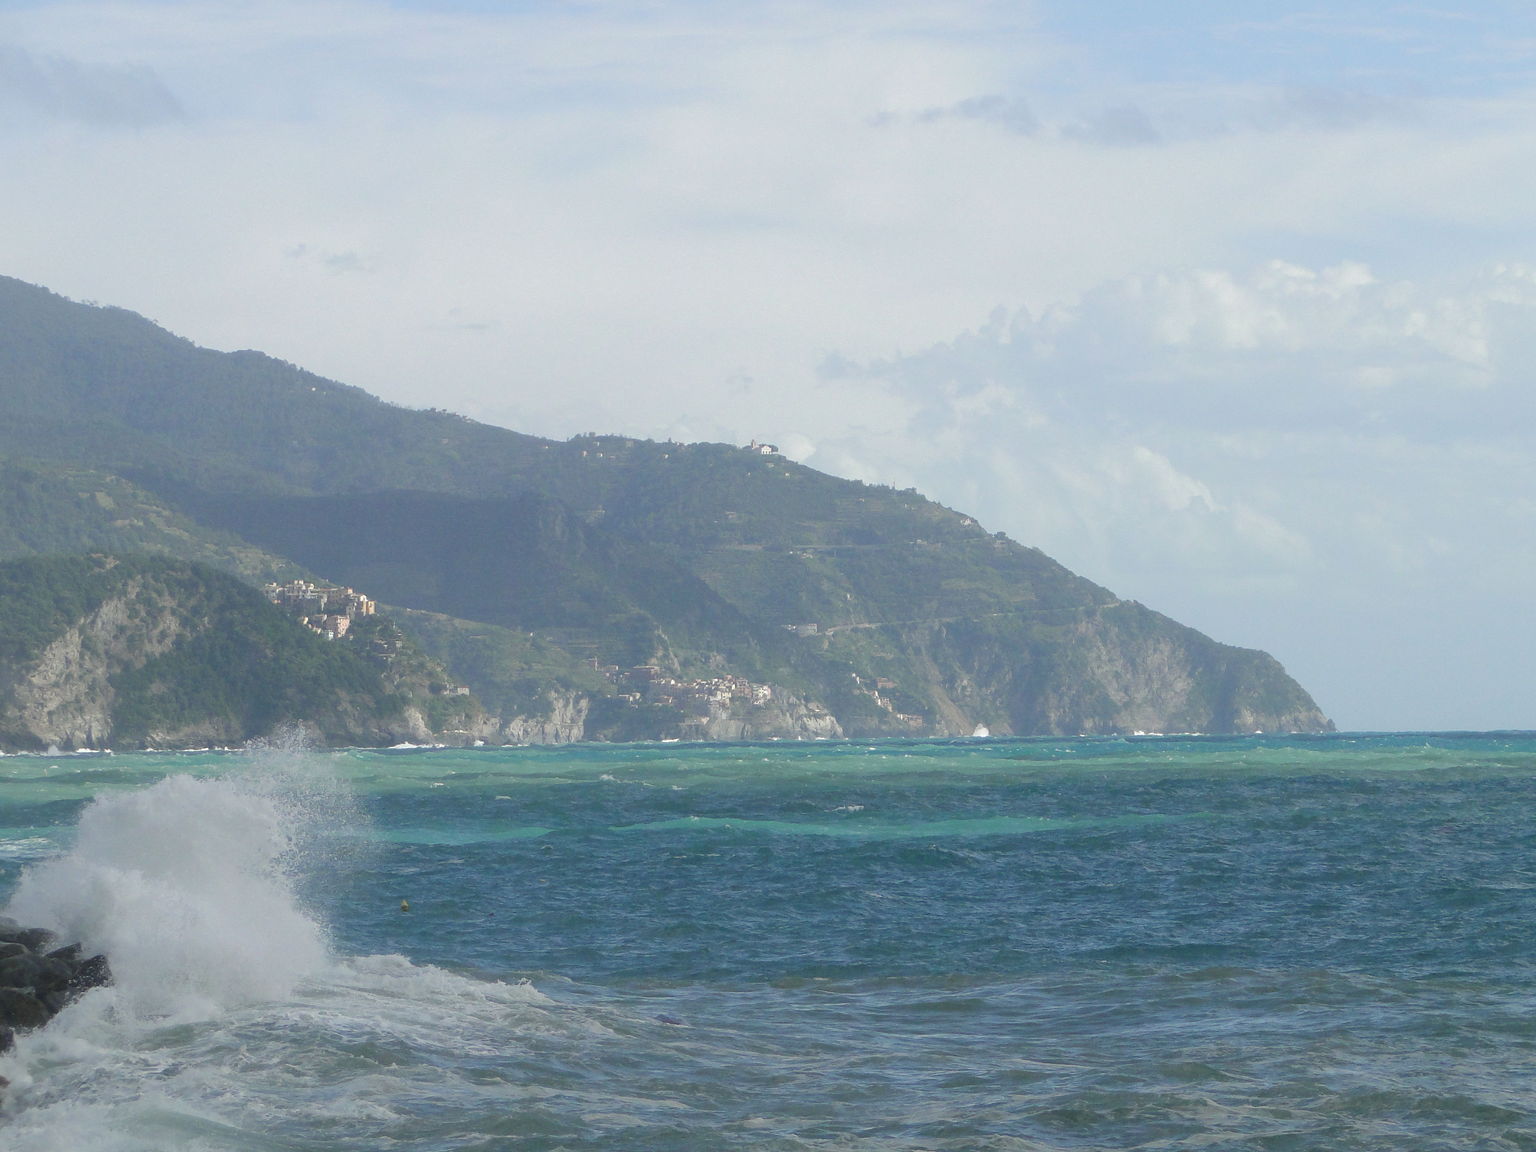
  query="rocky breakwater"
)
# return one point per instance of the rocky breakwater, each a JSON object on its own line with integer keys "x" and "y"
{"x": 39, "y": 976}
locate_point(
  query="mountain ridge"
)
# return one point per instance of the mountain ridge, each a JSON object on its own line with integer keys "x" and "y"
{"x": 892, "y": 614}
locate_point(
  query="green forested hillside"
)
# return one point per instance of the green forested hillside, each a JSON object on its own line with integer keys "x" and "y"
{"x": 58, "y": 508}
{"x": 140, "y": 651}
{"x": 695, "y": 559}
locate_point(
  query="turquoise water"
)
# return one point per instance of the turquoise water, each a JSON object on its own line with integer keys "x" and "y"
{"x": 1161, "y": 943}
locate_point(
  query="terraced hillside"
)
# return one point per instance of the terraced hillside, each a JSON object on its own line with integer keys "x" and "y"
{"x": 871, "y": 611}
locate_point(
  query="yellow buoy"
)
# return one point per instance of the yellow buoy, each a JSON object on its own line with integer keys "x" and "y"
{"x": 405, "y": 905}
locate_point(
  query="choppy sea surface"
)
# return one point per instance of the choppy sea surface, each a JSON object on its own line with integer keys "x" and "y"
{"x": 1165, "y": 943}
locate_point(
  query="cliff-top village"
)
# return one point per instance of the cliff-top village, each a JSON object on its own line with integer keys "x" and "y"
{"x": 326, "y": 610}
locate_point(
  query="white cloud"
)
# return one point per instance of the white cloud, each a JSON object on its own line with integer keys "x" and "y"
{"x": 105, "y": 95}
{"x": 1013, "y": 114}
{"x": 1120, "y": 125}
{"x": 1276, "y": 351}
{"x": 1296, "y": 458}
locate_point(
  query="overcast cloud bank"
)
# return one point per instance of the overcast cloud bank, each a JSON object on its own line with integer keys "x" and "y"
{"x": 1299, "y": 459}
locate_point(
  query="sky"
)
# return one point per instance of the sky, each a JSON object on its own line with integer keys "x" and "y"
{"x": 1229, "y": 307}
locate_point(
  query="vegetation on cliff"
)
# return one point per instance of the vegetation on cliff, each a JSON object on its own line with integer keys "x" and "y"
{"x": 536, "y": 564}
{"x": 139, "y": 651}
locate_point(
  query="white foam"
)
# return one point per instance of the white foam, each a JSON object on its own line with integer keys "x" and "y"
{"x": 342, "y": 1049}
{"x": 229, "y": 1027}
{"x": 188, "y": 887}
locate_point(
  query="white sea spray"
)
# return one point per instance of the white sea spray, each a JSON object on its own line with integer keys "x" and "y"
{"x": 189, "y": 885}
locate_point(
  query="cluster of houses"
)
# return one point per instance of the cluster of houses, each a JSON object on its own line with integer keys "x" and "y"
{"x": 328, "y": 611}
{"x": 884, "y": 684}
{"x": 647, "y": 684}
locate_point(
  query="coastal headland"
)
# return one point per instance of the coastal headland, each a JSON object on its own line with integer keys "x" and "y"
{"x": 197, "y": 546}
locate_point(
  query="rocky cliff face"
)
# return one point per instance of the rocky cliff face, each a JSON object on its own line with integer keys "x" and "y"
{"x": 151, "y": 653}
{"x": 786, "y": 718}
{"x": 565, "y": 722}
{"x": 1105, "y": 669}
{"x": 1127, "y": 669}
{"x": 65, "y": 696}
{"x": 1117, "y": 668}
{"x": 144, "y": 652}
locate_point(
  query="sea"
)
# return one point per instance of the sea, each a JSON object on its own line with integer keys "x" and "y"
{"x": 1208, "y": 943}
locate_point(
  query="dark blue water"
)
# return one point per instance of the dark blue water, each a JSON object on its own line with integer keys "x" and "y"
{"x": 1258, "y": 943}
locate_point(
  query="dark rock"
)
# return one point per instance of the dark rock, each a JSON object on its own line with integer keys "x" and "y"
{"x": 20, "y": 971}
{"x": 37, "y": 939}
{"x": 52, "y": 975}
{"x": 69, "y": 954}
{"x": 93, "y": 972}
{"x": 19, "y": 1009}
{"x": 36, "y": 984}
